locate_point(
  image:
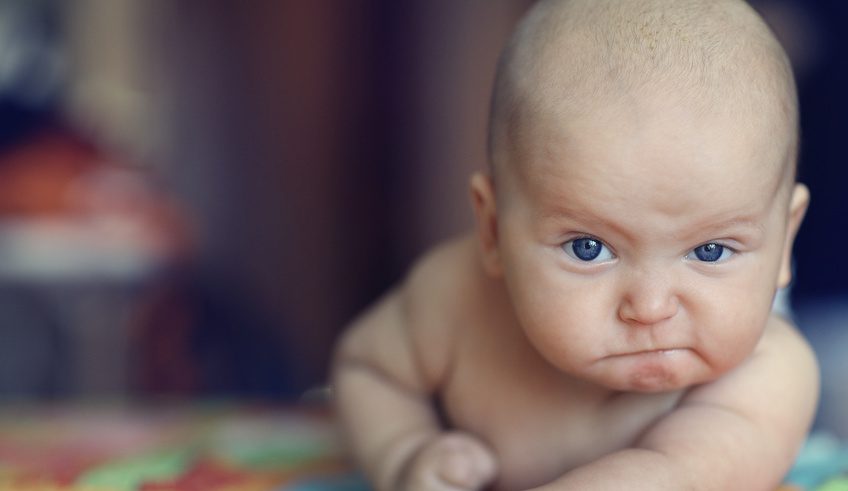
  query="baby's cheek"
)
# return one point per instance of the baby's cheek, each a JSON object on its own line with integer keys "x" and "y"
{"x": 567, "y": 329}
{"x": 738, "y": 337}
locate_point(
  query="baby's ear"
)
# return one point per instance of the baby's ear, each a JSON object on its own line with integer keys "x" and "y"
{"x": 483, "y": 200}
{"x": 797, "y": 208}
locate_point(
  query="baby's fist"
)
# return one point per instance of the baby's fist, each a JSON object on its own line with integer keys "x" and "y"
{"x": 451, "y": 462}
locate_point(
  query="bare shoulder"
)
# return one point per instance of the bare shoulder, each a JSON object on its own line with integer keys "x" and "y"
{"x": 437, "y": 303}
{"x": 439, "y": 282}
{"x": 745, "y": 428}
{"x": 407, "y": 333}
{"x": 782, "y": 371}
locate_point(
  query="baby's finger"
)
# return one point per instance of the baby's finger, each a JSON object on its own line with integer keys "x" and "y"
{"x": 465, "y": 463}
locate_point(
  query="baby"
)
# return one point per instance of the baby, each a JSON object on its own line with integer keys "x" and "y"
{"x": 609, "y": 324}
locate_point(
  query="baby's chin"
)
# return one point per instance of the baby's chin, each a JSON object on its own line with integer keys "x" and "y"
{"x": 651, "y": 371}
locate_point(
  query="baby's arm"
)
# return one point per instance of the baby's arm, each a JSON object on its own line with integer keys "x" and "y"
{"x": 384, "y": 373}
{"x": 739, "y": 433}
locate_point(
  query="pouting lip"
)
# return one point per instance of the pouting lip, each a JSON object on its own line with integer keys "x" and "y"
{"x": 656, "y": 351}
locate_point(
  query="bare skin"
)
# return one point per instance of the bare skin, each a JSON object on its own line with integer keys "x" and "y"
{"x": 649, "y": 367}
{"x": 524, "y": 425}
{"x": 608, "y": 325}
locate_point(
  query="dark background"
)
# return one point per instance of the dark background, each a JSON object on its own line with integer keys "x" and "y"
{"x": 310, "y": 151}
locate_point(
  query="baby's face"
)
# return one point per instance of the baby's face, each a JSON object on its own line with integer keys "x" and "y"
{"x": 642, "y": 244}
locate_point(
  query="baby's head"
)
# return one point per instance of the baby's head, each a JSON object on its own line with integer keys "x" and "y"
{"x": 641, "y": 203}
{"x": 572, "y": 58}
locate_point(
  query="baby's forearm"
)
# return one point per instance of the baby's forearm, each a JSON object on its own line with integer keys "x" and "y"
{"x": 632, "y": 469}
{"x": 385, "y": 424}
{"x": 644, "y": 469}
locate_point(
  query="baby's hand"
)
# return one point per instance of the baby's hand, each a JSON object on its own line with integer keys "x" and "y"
{"x": 452, "y": 462}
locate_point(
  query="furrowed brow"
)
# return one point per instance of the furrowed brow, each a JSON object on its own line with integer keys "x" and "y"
{"x": 748, "y": 226}
{"x": 589, "y": 219}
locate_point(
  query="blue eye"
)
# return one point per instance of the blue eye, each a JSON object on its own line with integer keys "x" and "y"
{"x": 587, "y": 249}
{"x": 710, "y": 253}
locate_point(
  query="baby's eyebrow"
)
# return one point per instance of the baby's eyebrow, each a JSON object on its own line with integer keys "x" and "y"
{"x": 559, "y": 213}
{"x": 749, "y": 225}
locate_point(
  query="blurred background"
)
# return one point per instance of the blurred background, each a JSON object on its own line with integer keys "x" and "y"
{"x": 196, "y": 196}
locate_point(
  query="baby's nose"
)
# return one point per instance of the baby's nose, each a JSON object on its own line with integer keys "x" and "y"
{"x": 648, "y": 299}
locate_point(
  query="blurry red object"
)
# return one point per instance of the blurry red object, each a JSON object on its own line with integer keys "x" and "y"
{"x": 38, "y": 176}
{"x": 64, "y": 203}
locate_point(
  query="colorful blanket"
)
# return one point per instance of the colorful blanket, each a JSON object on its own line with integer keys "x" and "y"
{"x": 226, "y": 447}
{"x": 822, "y": 465}
{"x": 206, "y": 448}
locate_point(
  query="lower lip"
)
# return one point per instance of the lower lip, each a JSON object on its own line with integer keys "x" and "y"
{"x": 652, "y": 371}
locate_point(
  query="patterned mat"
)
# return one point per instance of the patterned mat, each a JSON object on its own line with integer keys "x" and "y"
{"x": 209, "y": 448}
{"x": 227, "y": 447}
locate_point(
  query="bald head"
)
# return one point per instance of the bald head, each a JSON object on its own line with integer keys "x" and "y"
{"x": 569, "y": 57}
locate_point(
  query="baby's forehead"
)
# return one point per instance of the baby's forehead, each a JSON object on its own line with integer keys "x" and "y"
{"x": 632, "y": 187}
{"x": 673, "y": 126}
{"x": 572, "y": 58}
